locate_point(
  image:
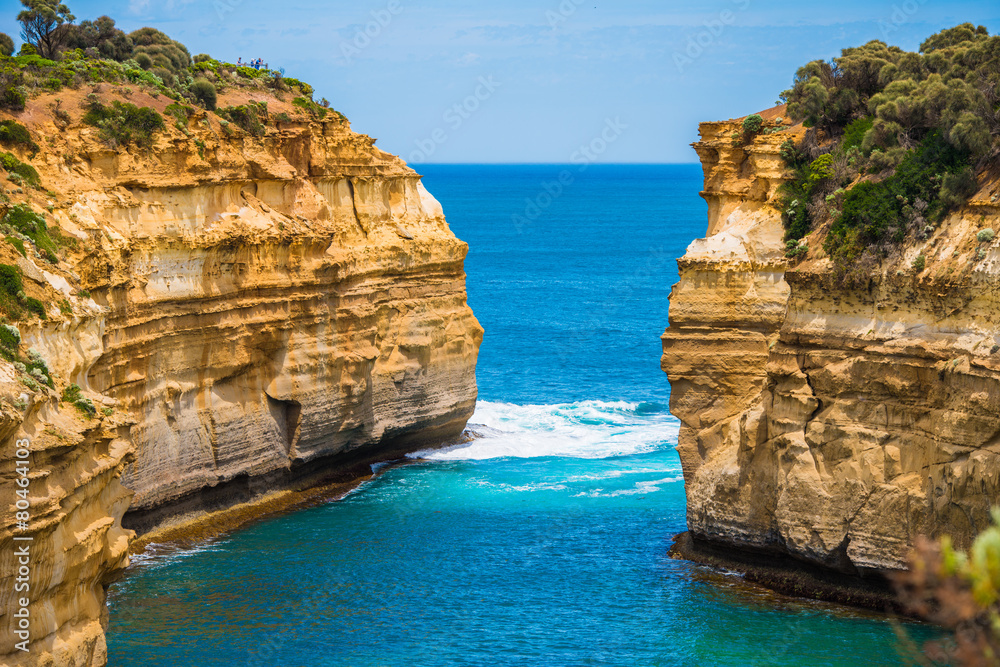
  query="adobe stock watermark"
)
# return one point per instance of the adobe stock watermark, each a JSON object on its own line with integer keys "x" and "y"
{"x": 900, "y": 14}
{"x": 562, "y": 13}
{"x": 21, "y": 616}
{"x": 370, "y": 31}
{"x": 454, "y": 116}
{"x": 699, "y": 42}
{"x": 225, "y": 7}
{"x": 583, "y": 157}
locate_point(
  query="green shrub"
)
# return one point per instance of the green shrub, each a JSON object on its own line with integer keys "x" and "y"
{"x": 855, "y": 132}
{"x": 71, "y": 393}
{"x": 874, "y": 213}
{"x": 13, "y": 133}
{"x": 204, "y": 91}
{"x": 6, "y": 45}
{"x": 752, "y": 125}
{"x": 950, "y": 89}
{"x": 986, "y": 235}
{"x": 10, "y": 286}
{"x": 957, "y": 187}
{"x": 23, "y": 219}
{"x": 35, "y": 306}
{"x": 250, "y": 72}
{"x": 310, "y": 107}
{"x": 10, "y": 279}
{"x": 181, "y": 113}
{"x": 13, "y": 98}
{"x": 18, "y": 245}
{"x": 162, "y": 51}
{"x": 36, "y": 362}
{"x": 306, "y": 89}
{"x": 919, "y": 262}
{"x": 23, "y": 170}
{"x": 794, "y": 248}
{"x": 10, "y": 338}
{"x": 250, "y": 117}
{"x": 124, "y": 124}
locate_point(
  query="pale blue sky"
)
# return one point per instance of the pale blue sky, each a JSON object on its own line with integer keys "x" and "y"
{"x": 555, "y": 71}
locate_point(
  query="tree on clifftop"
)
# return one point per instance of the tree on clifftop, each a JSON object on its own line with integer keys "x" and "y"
{"x": 40, "y": 24}
{"x": 6, "y": 44}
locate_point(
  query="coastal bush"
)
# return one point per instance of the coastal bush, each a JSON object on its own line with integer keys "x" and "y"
{"x": 204, "y": 91}
{"x": 250, "y": 117}
{"x": 6, "y": 45}
{"x": 123, "y": 123}
{"x": 854, "y": 133}
{"x": 18, "y": 245}
{"x": 162, "y": 51}
{"x": 99, "y": 52}
{"x": 957, "y": 187}
{"x": 22, "y": 220}
{"x": 24, "y": 171}
{"x": 72, "y": 394}
{"x": 986, "y": 235}
{"x": 876, "y": 214}
{"x": 10, "y": 340}
{"x": 100, "y": 39}
{"x": 10, "y": 280}
{"x": 35, "y": 306}
{"x": 752, "y": 125}
{"x": 949, "y": 86}
{"x": 10, "y": 286}
{"x": 305, "y": 88}
{"x": 13, "y": 95}
{"x": 310, "y": 107}
{"x": 13, "y": 133}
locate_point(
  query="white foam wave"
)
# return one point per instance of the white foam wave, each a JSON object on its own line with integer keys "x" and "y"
{"x": 640, "y": 488}
{"x": 156, "y": 554}
{"x": 589, "y": 429}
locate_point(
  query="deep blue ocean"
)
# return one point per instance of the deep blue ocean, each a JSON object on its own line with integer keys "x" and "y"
{"x": 545, "y": 540}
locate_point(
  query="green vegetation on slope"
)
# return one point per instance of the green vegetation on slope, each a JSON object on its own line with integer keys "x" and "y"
{"x": 902, "y": 136}
{"x": 62, "y": 54}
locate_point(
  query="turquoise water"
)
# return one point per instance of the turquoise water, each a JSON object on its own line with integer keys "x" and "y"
{"x": 542, "y": 542}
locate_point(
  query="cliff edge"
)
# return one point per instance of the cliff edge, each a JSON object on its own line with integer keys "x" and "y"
{"x": 823, "y": 423}
{"x": 230, "y": 312}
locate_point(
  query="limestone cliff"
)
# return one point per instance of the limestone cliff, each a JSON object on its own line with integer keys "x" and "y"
{"x": 248, "y": 314}
{"x": 828, "y": 423}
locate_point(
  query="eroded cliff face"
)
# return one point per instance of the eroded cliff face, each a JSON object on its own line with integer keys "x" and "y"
{"x": 827, "y": 423}
{"x": 71, "y": 545}
{"x": 250, "y": 312}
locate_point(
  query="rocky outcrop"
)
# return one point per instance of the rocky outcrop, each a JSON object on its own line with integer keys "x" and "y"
{"x": 247, "y": 314}
{"x": 825, "y": 423}
{"x": 69, "y": 540}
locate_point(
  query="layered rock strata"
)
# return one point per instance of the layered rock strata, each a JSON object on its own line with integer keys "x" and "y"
{"x": 247, "y": 314}
{"x": 825, "y": 423}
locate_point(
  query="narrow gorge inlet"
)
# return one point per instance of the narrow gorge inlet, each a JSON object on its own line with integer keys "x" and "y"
{"x": 640, "y": 336}
{"x": 545, "y": 538}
